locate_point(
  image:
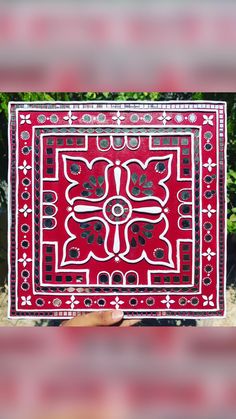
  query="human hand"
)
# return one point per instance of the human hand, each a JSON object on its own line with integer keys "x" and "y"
{"x": 100, "y": 318}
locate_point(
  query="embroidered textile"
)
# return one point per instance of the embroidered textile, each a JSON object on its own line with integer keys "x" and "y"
{"x": 117, "y": 205}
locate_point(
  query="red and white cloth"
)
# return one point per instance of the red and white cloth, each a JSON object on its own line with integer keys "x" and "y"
{"x": 117, "y": 206}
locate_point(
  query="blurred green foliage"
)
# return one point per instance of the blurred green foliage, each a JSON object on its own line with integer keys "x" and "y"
{"x": 230, "y": 98}
{"x": 231, "y": 200}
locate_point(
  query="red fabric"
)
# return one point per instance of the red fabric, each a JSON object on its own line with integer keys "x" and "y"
{"x": 117, "y": 205}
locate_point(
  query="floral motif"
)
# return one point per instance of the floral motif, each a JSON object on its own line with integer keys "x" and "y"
{"x": 72, "y": 302}
{"x": 208, "y": 120}
{"x": 208, "y": 300}
{"x": 168, "y": 301}
{"x": 209, "y": 165}
{"x": 118, "y": 118}
{"x": 25, "y": 119}
{"x": 25, "y": 167}
{"x": 164, "y": 118}
{"x": 70, "y": 118}
{"x": 24, "y": 260}
{"x": 25, "y": 210}
{"x": 209, "y": 211}
{"x": 209, "y": 254}
{"x": 117, "y": 302}
{"x": 26, "y": 301}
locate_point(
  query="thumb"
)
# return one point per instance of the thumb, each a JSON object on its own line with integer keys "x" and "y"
{"x": 96, "y": 318}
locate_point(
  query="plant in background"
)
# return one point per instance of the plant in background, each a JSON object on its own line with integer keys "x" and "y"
{"x": 231, "y": 200}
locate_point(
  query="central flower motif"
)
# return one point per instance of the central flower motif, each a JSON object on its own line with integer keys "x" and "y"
{"x": 117, "y": 210}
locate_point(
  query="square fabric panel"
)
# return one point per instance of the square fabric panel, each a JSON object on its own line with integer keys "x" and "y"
{"x": 117, "y": 206}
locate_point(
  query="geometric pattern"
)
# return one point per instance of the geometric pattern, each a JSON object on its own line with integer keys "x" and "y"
{"x": 117, "y": 206}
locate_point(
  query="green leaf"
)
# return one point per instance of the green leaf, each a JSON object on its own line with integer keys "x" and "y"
{"x": 91, "y": 239}
{"x": 141, "y": 240}
{"x": 98, "y": 226}
{"x": 135, "y": 228}
{"x": 100, "y": 180}
{"x": 93, "y": 180}
{"x": 100, "y": 240}
{"x": 148, "y": 192}
{"x": 148, "y": 184}
{"x": 134, "y": 178}
{"x": 86, "y": 193}
{"x": 142, "y": 179}
{"x": 148, "y": 234}
{"x": 91, "y": 95}
{"x": 231, "y": 226}
{"x": 133, "y": 242}
{"x": 84, "y": 225}
{"x": 85, "y": 234}
{"x": 135, "y": 191}
{"x": 197, "y": 96}
{"x": 87, "y": 185}
{"x": 149, "y": 226}
{"x": 99, "y": 191}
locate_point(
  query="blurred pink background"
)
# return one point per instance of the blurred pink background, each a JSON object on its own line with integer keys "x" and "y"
{"x": 118, "y": 374}
{"x": 116, "y": 46}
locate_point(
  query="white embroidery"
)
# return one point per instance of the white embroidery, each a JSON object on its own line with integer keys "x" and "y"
{"x": 72, "y": 302}
{"x": 118, "y": 118}
{"x": 70, "y": 118}
{"x": 208, "y": 120}
{"x": 208, "y": 300}
{"x": 164, "y": 118}
{"x": 117, "y": 303}
{"x": 24, "y": 260}
{"x": 209, "y": 211}
{"x": 26, "y": 301}
{"x": 25, "y": 210}
{"x": 25, "y": 167}
{"x": 209, "y": 165}
{"x": 209, "y": 253}
{"x": 25, "y": 119}
{"x": 168, "y": 301}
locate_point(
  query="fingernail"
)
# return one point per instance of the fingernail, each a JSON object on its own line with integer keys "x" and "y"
{"x": 117, "y": 315}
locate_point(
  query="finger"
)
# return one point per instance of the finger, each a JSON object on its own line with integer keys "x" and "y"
{"x": 128, "y": 323}
{"x": 96, "y": 318}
